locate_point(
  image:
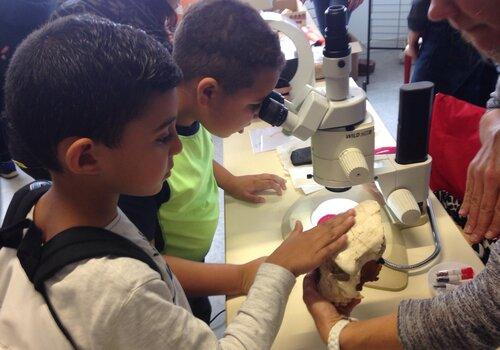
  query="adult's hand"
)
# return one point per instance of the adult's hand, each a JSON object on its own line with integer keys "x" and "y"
{"x": 481, "y": 202}
{"x": 412, "y": 48}
{"x": 324, "y": 313}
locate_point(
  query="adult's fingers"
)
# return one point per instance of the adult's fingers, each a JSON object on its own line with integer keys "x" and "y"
{"x": 486, "y": 208}
{"x": 310, "y": 288}
{"x": 469, "y": 187}
{"x": 346, "y": 309}
{"x": 475, "y": 202}
{"x": 494, "y": 229}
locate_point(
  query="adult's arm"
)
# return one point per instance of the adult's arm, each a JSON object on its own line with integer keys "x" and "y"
{"x": 481, "y": 202}
{"x": 466, "y": 318}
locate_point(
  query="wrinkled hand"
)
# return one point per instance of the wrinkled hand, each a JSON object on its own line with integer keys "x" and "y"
{"x": 324, "y": 313}
{"x": 412, "y": 48}
{"x": 246, "y": 187}
{"x": 248, "y": 272}
{"x": 302, "y": 252}
{"x": 481, "y": 202}
{"x": 354, "y": 4}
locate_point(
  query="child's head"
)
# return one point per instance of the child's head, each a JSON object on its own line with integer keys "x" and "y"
{"x": 155, "y": 17}
{"x": 230, "y": 59}
{"x": 95, "y": 101}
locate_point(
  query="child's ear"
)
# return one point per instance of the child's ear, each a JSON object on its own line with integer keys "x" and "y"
{"x": 80, "y": 156}
{"x": 206, "y": 90}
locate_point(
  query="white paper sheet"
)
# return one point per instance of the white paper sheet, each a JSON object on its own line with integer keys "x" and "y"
{"x": 268, "y": 139}
{"x": 298, "y": 174}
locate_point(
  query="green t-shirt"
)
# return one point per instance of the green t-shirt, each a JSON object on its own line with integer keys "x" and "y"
{"x": 189, "y": 218}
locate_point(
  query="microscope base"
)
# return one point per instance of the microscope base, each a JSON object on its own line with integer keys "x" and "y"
{"x": 302, "y": 209}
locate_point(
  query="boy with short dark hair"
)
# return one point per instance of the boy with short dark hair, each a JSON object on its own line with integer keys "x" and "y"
{"x": 95, "y": 103}
{"x": 231, "y": 60}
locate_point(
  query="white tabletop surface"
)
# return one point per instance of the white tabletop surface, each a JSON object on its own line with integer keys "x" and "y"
{"x": 254, "y": 230}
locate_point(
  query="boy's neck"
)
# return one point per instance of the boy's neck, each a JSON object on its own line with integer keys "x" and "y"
{"x": 188, "y": 112}
{"x": 67, "y": 205}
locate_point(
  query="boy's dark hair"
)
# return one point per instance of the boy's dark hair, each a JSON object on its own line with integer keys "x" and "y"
{"x": 155, "y": 17}
{"x": 227, "y": 40}
{"x": 82, "y": 76}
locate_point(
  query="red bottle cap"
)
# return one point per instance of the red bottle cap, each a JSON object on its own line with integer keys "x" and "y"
{"x": 467, "y": 273}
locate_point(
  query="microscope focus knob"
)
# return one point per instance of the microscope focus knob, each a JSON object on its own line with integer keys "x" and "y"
{"x": 354, "y": 165}
{"x": 404, "y": 206}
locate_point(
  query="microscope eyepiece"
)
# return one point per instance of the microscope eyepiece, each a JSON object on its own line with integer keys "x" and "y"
{"x": 273, "y": 111}
{"x": 336, "y": 37}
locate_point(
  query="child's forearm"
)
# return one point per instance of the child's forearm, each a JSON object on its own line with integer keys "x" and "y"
{"x": 201, "y": 279}
{"x": 222, "y": 176}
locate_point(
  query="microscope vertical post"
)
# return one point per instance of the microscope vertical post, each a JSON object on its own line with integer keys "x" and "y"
{"x": 415, "y": 107}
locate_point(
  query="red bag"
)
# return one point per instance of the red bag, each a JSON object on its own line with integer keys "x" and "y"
{"x": 454, "y": 141}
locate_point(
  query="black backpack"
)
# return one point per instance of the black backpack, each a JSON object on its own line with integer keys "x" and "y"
{"x": 43, "y": 261}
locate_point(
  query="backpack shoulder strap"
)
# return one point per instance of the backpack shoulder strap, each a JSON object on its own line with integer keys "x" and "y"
{"x": 15, "y": 217}
{"x": 23, "y": 200}
{"x": 70, "y": 246}
{"x": 80, "y": 243}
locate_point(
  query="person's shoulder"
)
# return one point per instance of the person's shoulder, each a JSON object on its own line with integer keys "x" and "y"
{"x": 109, "y": 299}
{"x": 111, "y": 276}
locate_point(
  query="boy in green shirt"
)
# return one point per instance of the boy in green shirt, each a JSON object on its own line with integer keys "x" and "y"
{"x": 231, "y": 60}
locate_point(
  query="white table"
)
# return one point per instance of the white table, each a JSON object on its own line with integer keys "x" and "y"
{"x": 254, "y": 230}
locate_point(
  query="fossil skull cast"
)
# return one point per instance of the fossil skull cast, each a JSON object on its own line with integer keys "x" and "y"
{"x": 342, "y": 277}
